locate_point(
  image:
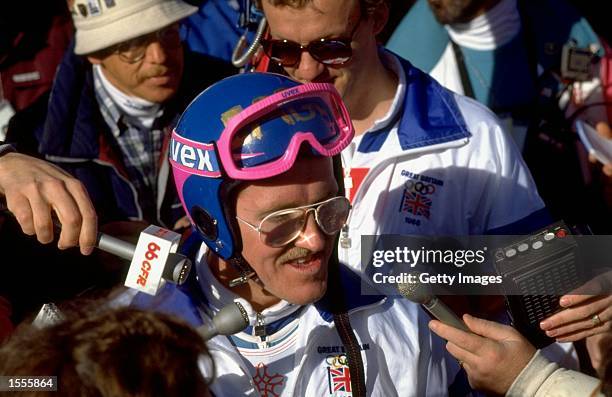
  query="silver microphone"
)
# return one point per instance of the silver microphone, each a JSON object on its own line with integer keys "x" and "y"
{"x": 230, "y": 320}
{"x": 419, "y": 293}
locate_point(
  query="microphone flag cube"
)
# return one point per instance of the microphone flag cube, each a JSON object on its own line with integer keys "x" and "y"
{"x": 154, "y": 246}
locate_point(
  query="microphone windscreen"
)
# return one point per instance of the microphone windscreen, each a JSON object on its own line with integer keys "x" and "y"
{"x": 415, "y": 292}
{"x": 231, "y": 319}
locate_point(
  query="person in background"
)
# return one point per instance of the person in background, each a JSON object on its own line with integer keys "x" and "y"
{"x": 520, "y": 58}
{"x": 115, "y": 100}
{"x": 424, "y": 160}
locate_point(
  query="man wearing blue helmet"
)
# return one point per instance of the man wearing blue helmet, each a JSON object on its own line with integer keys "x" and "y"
{"x": 252, "y": 161}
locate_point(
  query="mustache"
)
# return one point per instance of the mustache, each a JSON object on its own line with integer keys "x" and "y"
{"x": 293, "y": 254}
{"x": 155, "y": 71}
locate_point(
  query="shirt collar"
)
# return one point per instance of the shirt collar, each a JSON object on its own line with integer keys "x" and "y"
{"x": 391, "y": 62}
{"x": 488, "y": 31}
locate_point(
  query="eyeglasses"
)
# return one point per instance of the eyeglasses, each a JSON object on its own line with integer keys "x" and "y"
{"x": 282, "y": 227}
{"x": 327, "y": 51}
{"x": 134, "y": 50}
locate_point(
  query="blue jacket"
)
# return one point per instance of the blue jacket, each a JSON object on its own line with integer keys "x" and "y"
{"x": 214, "y": 29}
{"x": 77, "y": 137}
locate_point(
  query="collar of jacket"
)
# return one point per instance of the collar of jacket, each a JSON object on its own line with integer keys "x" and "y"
{"x": 429, "y": 115}
{"x": 355, "y": 292}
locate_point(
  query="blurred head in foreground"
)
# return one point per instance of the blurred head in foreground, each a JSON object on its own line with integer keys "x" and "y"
{"x": 124, "y": 352}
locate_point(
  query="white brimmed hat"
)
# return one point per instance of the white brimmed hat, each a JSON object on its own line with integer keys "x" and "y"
{"x": 102, "y": 23}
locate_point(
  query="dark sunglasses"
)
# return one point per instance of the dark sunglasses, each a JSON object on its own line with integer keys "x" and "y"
{"x": 327, "y": 51}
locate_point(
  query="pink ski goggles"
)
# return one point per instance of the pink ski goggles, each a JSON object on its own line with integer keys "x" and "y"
{"x": 264, "y": 139}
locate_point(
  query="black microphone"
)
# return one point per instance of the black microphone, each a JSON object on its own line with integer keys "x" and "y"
{"x": 230, "y": 320}
{"x": 419, "y": 293}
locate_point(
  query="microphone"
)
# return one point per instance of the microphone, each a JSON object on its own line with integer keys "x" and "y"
{"x": 230, "y": 320}
{"x": 176, "y": 268}
{"x": 419, "y": 293}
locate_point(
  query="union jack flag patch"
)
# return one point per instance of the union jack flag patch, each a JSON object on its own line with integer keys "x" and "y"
{"x": 415, "y": 204}
{"x": 339, "y": 380}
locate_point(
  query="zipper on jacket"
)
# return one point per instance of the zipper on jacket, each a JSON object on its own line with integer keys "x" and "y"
{"x": 260, "y": 329}
{"x": 345, "y": 239}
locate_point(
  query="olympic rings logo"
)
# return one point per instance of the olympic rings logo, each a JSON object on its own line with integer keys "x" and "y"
{"x": 338, "y": 361}
{"x": 420, "y": 187}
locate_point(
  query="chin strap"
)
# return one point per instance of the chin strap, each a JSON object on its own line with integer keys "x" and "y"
{"x": 245, "y": 270}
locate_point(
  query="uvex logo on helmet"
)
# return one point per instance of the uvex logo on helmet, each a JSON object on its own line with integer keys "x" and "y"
{"x": 193, "y": 157}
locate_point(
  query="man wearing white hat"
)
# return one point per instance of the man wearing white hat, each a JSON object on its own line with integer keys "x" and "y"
{"x": 116, "y": 99}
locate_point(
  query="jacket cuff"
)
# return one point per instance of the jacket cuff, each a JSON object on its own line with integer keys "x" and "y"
{"x": 531, "y": 378}
{"x": 542, "y": 378}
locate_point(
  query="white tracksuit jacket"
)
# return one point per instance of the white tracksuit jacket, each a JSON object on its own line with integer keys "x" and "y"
{"x": 437, "y": 164}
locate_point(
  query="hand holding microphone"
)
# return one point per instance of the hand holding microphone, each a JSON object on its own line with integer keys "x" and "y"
{"x": 34, "y": 189}
{"x": 154, "y": 256}
{"x": 492, "y": 354}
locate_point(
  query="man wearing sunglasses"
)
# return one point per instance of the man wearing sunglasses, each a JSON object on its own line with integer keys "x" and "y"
{"x": 115, "y": 100}
{"x": 424, "y": 160}
{"x": 252, "y": 158}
